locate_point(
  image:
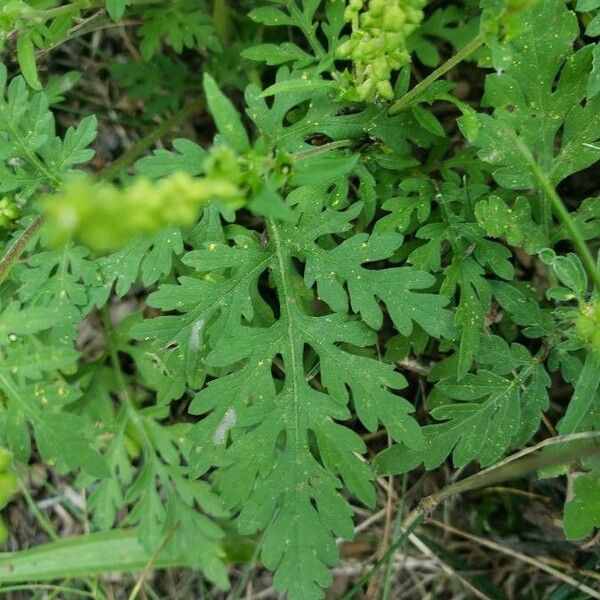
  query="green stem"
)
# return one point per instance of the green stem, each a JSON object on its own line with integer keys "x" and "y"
{"x": 307, "y": 29}
{"x": 383, "y": 560}
{"x": 317, "y": 150}
{"x": 75, "y": 7}
{"x": 113, "y": 354}
{"x": 16, "y": 250}
{"x": 577, "y": 239}
{"x": 222, "y": 20}
{"x": 562, "y": 213}
{"x": 37, "y": 513}
{"x": 127, "y": 159}
{"x": 16, "y": 137}
{"x": 512, "y": 467}
{"x": 461, "y": 55}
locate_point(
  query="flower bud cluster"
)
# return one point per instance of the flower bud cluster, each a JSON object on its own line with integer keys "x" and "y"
{"x": 9, "y": 212}
{"x": 377, "y": 45}
{"x": 105, "y": 217}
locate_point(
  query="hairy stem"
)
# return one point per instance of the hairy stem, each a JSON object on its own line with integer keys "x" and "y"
{"x": 463, "y": 53}
{"x": 512, "y": 467}
{"x": 16, "y": 250}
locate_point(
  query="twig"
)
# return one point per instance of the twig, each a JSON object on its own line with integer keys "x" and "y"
{"x": 368, "y": 522}
{"x": 559, "y": 563}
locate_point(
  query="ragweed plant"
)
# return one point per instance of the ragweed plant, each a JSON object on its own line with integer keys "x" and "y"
{"x": 282, "y": 273}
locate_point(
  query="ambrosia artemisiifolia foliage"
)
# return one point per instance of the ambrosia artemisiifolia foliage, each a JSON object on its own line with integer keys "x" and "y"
{"x": 333, "y": 228}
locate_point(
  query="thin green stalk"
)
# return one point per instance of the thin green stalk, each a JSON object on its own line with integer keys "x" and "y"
{"x": 461, "y": 55}
{"x": 384, "y": 559}
{"x": 222, "y": 20}
{"x": 307, "y": 29}
{"x": 37, "y": 513}
{"x": 113, "y": 355}
{"x": 152, "y": 561}
{"x": 317, "y": 150}
{"x": 127, "y": 159}
{"x": 238, "y": 590}
{"x": 562, "y": 213}
{"x": 76, "y": 6}
{"x": 16, "y": 250}
{"x": 387, "y": 581}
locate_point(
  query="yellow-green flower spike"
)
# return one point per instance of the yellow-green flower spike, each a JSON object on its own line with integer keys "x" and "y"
{"x": 377, "y": 45}
{"x": 105, "y": 217}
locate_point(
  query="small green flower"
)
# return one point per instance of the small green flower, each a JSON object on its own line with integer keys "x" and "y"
{"x": 9, "y": 212}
